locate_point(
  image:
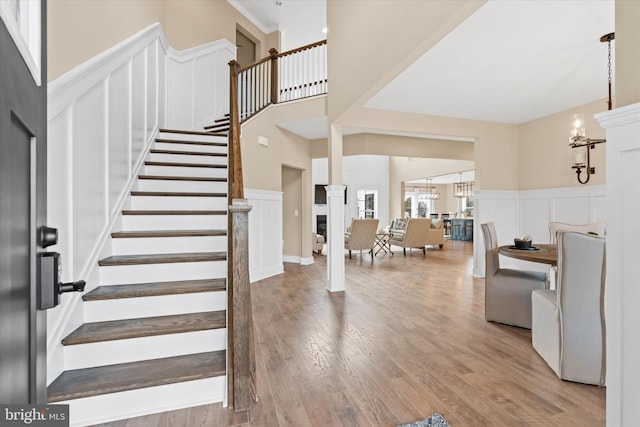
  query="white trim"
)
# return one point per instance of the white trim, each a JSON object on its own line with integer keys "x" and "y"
{"x": 29, "y": 49}
{"x": 507, "y": 208}
{"x": 198, "y": 51}
{"x": 297, "y": 260}
{"x": 306, "y": 261}
{"x": 77, "y": 81}
{"x": 622, "y": 127}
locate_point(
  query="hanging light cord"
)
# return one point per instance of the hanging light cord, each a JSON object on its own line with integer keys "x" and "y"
{"x": 609, "y": 38}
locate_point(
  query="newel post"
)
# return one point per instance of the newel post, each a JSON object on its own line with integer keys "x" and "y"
{"x": 234, "y": 159}
{"x": 244, "y": 365}
{"x": 274, "y": 75}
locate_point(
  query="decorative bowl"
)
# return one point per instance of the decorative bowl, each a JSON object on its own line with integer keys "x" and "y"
{"x": 522, "y": 244}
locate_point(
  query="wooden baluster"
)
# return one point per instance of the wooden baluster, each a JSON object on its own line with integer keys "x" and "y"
{"x": 274, "y": 75}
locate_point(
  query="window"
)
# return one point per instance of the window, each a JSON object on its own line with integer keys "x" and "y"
{"x": 22, "y": 19}
{"x": 367, "y": 203}
{"x": 417, "y": 204}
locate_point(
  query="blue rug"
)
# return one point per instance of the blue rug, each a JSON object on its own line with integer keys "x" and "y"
{"x": 435, "y": 420}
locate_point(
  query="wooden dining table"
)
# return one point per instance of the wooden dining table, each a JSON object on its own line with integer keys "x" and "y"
{"x": 546, "y": 253}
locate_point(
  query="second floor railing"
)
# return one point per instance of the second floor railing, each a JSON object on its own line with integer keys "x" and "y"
{"x": 281, "y": 77}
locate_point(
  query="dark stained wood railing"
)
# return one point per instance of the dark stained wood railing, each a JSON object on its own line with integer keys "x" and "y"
{"x": 280, "y": 77}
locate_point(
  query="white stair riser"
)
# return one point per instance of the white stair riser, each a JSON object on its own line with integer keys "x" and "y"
{"x": 187, "y": 186}
{"x": 189, "y": 147}
{"x": 185, "y": 158}
{"x": 131, "y": 350}
{"x": 168, "y": 245}
{"x": 185, "y": 171}
{"x": 174, "y": 222}
{"x": 147, "y": 273}
{"x": 178, "y": 202}
{"x": 162, "y": 305}
{"x": 189, "y": 137}
{"x": 144, "y": 401}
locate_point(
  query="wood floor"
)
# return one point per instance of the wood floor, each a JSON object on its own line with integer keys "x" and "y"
{"x": 408, "y": 338}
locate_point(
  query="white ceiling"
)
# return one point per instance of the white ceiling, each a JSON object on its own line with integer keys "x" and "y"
{"x": 510, "y": 62}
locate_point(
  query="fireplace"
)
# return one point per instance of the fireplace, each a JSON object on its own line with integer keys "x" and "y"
{"x": 321, "y": 226}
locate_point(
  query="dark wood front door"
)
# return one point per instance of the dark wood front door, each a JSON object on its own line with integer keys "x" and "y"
{"x": 23, "y": 161}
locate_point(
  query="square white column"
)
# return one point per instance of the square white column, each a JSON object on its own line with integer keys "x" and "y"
{"x": 335, "y": 238}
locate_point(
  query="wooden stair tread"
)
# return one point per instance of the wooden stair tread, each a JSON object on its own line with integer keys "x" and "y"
{"x": 205, "y": 143}
{"x": 99, "y": 380}
{"x": 116, "y": 260}
{"x": 145, "y": 327}
{"x": 176, "y": 212}
{"x": 184, "y": 165}
{"x": 188, "y": 153}
{"x": 138, "y": 290}
{"x": 185, "y": 132}
{"x": 177, "y": 194}
{"x": 182, "y": 178}
{"x": 167, "y": 233}
{"x": 221, "y": 125}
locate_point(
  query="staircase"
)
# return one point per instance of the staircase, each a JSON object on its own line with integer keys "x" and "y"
{"x": 154, "y": 337}
{"x": 220, "y": 126}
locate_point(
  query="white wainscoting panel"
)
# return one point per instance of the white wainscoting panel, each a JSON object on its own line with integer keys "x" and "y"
{"x": 198, "y": 84}
{"x": 518, "y": 213}
{"x": 119, "y": 134}
{"x": 622, "y": 295}
{"x": 265, "y": 233}
{"x": 501, "y": 208}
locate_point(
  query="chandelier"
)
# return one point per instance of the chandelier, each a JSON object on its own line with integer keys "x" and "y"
{"x": 462, "y": 189}
{"x": 428, "y": 194}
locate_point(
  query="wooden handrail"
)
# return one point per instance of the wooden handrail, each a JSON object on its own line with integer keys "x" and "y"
{"x": 300, "y": 49}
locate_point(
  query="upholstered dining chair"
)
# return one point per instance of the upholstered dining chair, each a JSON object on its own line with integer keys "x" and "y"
{"x": 599, "y": 228}
{"x": 568, "y": 323}
{"x": 362, "y": 235}
{"x": 507, "y": 292}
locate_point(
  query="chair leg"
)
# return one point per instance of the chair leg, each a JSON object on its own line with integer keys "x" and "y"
{"x": 404, "y": 251}
{"x": 424, "y": 250}
{"x": 349, "y": 253}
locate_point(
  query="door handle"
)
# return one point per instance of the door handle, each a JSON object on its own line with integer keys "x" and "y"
{"x": 50, "y": 267}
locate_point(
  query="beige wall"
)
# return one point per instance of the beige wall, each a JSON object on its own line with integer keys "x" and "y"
{"x": 191, "y": 23}
{"x": 545, "y": 156}
{"x": 627, "y": 80}
{"x": 292, "y": 202}
{"x": 262, "y": 166}
{"x": 495, "y": 150}
{"x": 79, "y": 30}
{"x": 392, "y": 145}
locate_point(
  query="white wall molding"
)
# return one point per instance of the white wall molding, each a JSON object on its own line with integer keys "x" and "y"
{"x": 265, "y": 233}
{"x": 297, "y": 260}
{"x": 622, "y": 127}
{"x": 198, "y": 84}
{"x": 517, "y": 213}
{"x": 73, "y": 83}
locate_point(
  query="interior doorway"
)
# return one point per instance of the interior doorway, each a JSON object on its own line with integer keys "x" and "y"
{"x": 246, "y": 49}
{"x": 292, "y": 214}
